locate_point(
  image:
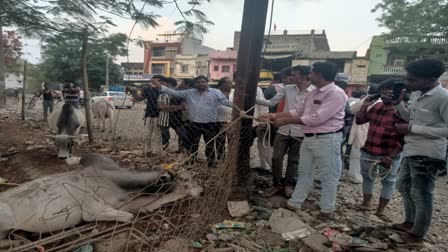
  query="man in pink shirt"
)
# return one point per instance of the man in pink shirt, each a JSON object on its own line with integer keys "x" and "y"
{"x": 322, "y": 120}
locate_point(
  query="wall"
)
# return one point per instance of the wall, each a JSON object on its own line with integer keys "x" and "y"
{"x": 190, "y": 61}
{"x": 216, "y": 75}
{"x": 359, "y": 71}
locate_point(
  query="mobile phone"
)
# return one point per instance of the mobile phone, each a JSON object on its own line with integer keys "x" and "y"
{"x": 399, "y": 86}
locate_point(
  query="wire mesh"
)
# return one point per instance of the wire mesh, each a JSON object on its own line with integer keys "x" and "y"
{"x": 208, "y": 153}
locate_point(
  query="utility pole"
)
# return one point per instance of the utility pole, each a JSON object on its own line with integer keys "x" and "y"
{"x": 23, "y": 90}
{"x": 248, "y": 71}
{"x": 107, "y": 71}
{"x": 85, "y": 80}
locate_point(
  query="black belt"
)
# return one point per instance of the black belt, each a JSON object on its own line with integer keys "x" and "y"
{"x": 320, "y": 134}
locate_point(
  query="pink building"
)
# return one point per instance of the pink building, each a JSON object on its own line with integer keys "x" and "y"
{"x": 222, "y": 64}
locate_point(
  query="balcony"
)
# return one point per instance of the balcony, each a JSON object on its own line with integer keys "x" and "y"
{"x": 394, "y": 69}
{"x": 431, "y": 40}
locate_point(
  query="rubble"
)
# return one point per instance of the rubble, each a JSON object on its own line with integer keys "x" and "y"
{"x": 238, "y": 208}
{"x": 284, "y": 221}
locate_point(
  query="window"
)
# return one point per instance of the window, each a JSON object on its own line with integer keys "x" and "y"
{"x": 184, "y": 68}
{"x": 158, "y": 52}
{"x": 171, "y": 53}
{"x": 398, "y": 62}
{"x": 158, "y": 69}
{"x": 361, "y": 66}
{"x": 216, "y": 68}
{"x": 225, "y": 69}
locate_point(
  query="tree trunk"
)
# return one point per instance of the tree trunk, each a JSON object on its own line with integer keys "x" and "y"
{"x": 23, "y": 89}
{"x": 85, "y": 81}
{"x": 248, "y": 71}
{"x": 2, "y": 68}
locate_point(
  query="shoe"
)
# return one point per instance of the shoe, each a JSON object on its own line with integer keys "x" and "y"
{"x": 325, "y": 217}
{"x": 289, "y": 190}
{"x": 271, "y": 191}
{"x": 404, "y": 227}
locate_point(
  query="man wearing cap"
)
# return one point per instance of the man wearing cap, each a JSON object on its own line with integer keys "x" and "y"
{"x": 322, "y": 120}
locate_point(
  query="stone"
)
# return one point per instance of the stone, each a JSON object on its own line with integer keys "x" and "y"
{"x": 117, "y": 244}
{"x": 284, "y": 221}
{"x": 225, "y": 237}
{"x": 262, "y": 213}
{"x": 295, "y": 245}
{"x": 269, "y": 238}
{"x": 222, "y": 250}
{"x": 211, "y": 237}
{"x": 316, "y": 242}
{"x": 238, "y": 208}
{"x": 175, "y": 245}
{"x": 305, "y": 217}
{"x": 29, "y": 142}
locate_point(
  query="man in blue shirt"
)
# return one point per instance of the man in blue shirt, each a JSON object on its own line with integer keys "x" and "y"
{"x": 202, "y": 103}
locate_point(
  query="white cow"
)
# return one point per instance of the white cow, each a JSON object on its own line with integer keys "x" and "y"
{"x": 101, "y": 191}
{"x": 103, "y": 110}
{"x": 66, "y": 120}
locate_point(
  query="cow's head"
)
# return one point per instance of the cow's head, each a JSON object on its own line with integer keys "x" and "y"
{"x": 68, "y": 125}
{"x": 64, "y": 143}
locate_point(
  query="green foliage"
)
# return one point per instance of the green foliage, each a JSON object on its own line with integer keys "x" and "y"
{"x": 61, "y": 57}
{"x": 414, "y": 17}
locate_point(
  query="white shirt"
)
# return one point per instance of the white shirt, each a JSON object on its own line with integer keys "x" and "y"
{"x": 224, "y": 112}
{"x": 259, "y": 109}
{"x": 293, "y": 100}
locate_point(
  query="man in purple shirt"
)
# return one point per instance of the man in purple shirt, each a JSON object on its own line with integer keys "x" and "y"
{"x": 322, "y": 120}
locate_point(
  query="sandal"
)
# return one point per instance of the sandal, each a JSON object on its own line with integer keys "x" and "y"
{"x": 383, "y": 217}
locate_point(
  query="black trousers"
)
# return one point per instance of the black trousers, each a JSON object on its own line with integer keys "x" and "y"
{"x": 208, "y": 131}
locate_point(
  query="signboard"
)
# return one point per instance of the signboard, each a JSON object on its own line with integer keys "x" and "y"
{"x": 137, "y": 77}
{"x": 116, "y": 88}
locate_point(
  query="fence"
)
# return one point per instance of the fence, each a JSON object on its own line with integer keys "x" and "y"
{"x": 185, "y": 217}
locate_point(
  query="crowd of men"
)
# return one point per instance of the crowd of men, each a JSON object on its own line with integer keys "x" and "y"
{"x": 386, "y": 133}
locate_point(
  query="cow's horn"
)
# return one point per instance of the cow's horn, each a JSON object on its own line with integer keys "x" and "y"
{"x": 50, "y": 136}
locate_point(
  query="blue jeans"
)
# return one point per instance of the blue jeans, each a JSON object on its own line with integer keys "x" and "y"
{"x": 321, "y": 151}
{"x": 388, "y": 183}
{"x": 416, "y": 184}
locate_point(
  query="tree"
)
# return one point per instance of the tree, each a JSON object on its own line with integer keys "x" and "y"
{"x": 12, "y": 47}
{"x": 61, "y": 57}
{"x": 414, "y": 17}
{"x": 45, "y": 18}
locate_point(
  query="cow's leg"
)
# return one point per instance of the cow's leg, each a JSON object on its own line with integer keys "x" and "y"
{"x": 104, "y": 124}
{"x": 110, "y": 125}
{"x": 93, "y": 210}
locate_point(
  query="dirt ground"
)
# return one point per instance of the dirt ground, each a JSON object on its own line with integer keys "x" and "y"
{"x": 26, "y": 154}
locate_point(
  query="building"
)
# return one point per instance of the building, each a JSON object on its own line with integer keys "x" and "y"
{"x": 222, "y": 64}
{"x": 389, "y": 55}
{"x": 290, "y": 48}
{"x": 160, "y": 55}
{"x": 185, "y": 66}
{"x": 132, "y": 69}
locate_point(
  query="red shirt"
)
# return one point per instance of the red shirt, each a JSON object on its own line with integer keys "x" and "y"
{"x": 382, "y": 137}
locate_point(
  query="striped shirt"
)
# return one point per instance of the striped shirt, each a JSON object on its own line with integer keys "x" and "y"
{"x": 164, "y": 117}
{"x": 71, "y": 94}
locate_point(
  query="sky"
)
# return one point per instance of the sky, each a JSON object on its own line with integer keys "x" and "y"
{"x": 349, "y": 24}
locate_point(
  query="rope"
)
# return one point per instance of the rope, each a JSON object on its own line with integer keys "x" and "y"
{"x": 374, "y": 165}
